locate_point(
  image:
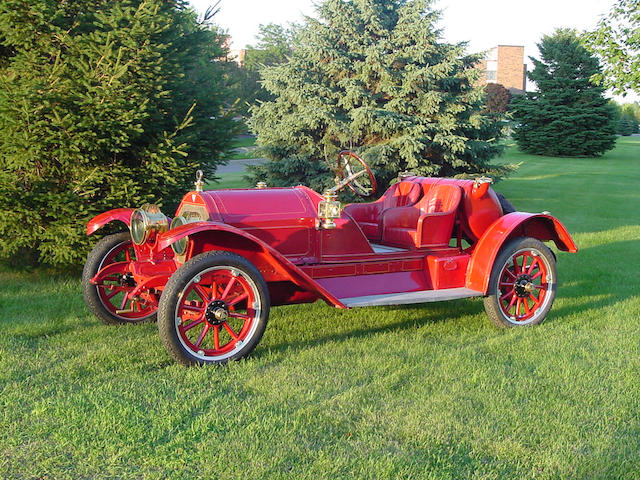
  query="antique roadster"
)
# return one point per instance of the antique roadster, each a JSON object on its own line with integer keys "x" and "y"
{"x": 211, "y": 273}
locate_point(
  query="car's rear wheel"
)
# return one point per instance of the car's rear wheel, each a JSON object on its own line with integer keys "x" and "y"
{"x": 506, "y": 205}
{"x": 110, "y": 298}
{"x": 213, "y": 309}
{"x": 522, "y": 286}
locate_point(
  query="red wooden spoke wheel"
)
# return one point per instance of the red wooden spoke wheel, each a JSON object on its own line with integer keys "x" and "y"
{"x": 214, "y": 309}
{"x": 348, "y": 164}
{"x": 522, "y": 285}
{"x": 110, "y": 299}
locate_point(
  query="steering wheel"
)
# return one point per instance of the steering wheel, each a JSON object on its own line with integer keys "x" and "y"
{"x": 356, "y": 174}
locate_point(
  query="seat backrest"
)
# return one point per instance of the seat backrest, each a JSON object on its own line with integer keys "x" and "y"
{"x": 441, "y": 198}
{"x": 402, "y": 194}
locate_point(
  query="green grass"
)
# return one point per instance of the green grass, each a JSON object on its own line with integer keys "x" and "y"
{"x": 229, "y": 180}
{"x": 245, "y": 148}
{"x": 244, "y": 142}
{"x": 431, "y": 391}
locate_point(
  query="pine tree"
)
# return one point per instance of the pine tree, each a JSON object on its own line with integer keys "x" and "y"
{"x": 625, "y": 126}
{"x": 373, "y": 76}
{"x": 568, "y": 115}
{"x": 631, "y": 112}
{"x": 102, "y": 105}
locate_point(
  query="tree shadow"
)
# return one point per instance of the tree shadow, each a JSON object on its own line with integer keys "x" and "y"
{"x": 433, "y": 314}
{"x": 602, "y": 275}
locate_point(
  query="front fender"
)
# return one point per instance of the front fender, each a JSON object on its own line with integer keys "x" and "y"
{"x": 232, "y": 239}
{"x": 518, "y": 224}
{"x": 118, "y": 214}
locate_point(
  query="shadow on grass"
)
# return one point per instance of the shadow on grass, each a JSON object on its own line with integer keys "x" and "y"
{"x": 434, "y": 314}
{"x": 46, "y": 330}
{"x": 603, "y": 274}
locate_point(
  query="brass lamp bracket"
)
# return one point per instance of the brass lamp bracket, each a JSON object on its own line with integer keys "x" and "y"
{"x": 480, "y": 180}
{"x": 405, "y": 174}
{"x": 480, "y": 186}
{"x": 329, "y": 209}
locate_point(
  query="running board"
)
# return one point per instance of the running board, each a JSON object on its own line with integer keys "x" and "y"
{"x": 422, "y": 296}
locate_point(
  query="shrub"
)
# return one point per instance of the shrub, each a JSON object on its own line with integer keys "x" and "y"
{"x": 497, "y": 98}
{"x": 102, "y": 104}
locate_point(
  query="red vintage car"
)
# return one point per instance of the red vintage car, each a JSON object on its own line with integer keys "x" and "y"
{"x": 212, "y": 273}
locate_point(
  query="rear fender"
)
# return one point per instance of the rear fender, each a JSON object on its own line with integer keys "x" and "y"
{"x": 518, "y": 224}
{"x": 118, "y": 214}
{"x": 273, "y": 266}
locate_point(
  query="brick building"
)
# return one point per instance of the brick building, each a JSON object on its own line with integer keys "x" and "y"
{"x": 238, "y": 56}
{"x": 505, "y": 65}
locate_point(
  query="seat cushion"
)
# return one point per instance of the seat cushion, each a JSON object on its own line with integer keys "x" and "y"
{"x": 428, "y": 222}
{"x": 369, "y": 215}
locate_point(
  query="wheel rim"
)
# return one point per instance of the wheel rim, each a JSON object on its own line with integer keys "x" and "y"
{"x": 114, "y": 290}
{"x": 217, "y": 313}
{"x": 524, "y": 285}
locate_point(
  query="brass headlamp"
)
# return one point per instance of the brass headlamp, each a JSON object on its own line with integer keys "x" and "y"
{"x": 146, "y": 220}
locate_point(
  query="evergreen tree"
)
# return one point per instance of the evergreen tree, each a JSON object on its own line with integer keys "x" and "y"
{"x": 631, "y": 112}
{"x": 102, "y": 104}
{"x": 373, "y": 75}
{"x": 626, "y": 126}
{"x": 568, "y": 115}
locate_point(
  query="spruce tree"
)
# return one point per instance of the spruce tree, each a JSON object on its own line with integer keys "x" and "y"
{"x": 373, "y": 76}
{"x": 102, "y": 105}
{"x": 568, "y": 115}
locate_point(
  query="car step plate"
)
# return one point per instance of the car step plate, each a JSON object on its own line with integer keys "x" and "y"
{"x": 422, "y": 296}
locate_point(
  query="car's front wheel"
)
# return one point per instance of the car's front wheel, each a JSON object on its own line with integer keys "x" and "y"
{"x": 213, "y": 309}
{"x": 522, "y": 286}
{"x": 111, "y": 297}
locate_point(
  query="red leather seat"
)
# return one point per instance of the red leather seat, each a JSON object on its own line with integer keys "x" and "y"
{"x": 368, "y": 215}
{"x": 428, "y": 223}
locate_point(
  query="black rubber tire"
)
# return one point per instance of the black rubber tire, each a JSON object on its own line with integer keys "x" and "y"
{"x": 492, "y": 302}
{"x": 507, "y": 206}
{"x": 179, "y": 281}
{"x": 90, "y": 291}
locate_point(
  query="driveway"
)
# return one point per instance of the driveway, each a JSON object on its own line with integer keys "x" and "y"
{"x": 236, "y": 166}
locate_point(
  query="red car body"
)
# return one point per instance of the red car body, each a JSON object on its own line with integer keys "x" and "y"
{"x": 425, "y": 239}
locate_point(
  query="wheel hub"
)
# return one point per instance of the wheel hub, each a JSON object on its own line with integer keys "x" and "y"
{"x": 523, "y": 285}
{"x": 127, "y": 280}
{"x": 217, "y": 312}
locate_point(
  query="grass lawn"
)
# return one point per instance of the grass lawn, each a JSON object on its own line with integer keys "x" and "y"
{"x": 229, "y": 180}
{"x": 431, "y": 391}
{"x": 244, "y": 141}
{"x": 244, "y": 148}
